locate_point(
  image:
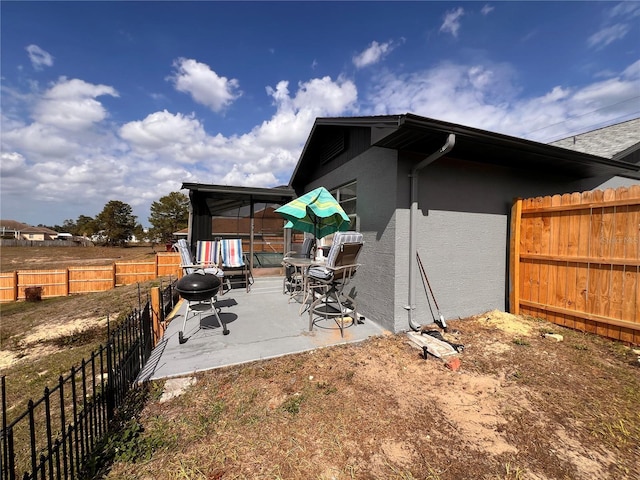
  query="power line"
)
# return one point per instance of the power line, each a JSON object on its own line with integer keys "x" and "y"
{"x": 588, "y": 113}
{"x": 595, "y": 126}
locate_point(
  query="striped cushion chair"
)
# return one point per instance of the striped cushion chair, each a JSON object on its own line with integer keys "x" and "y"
{"x": 234, "y": 263}
{"x": 326, "y": 284}
{"x": 191, "y": 265}
{"x": 338, "y": 239}
{"x": 208, "y": 253}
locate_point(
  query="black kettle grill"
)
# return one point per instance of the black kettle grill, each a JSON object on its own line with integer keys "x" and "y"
{"x": 197, "y": 287}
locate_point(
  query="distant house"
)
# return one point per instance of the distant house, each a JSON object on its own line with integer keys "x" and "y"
{"x": 12, "y": 228}
{"x": 184, "y": 233}
{"x": 22, "y": 231}
{"x": 38, "y": 234}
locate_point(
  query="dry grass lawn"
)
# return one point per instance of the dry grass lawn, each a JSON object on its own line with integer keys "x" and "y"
{"x": 522, "y": 406}
{"x": 45, "y": 258}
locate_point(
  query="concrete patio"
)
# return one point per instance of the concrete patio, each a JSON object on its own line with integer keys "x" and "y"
{"x": 263, "y": 324}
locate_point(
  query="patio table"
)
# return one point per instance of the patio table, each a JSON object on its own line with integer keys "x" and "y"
{"x": 299, "y": 281}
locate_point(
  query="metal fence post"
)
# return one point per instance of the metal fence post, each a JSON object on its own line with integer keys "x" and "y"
{"x": 4, "y": 458}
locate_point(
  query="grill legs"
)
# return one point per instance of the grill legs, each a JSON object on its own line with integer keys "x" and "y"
{"x": 212, "y": 300}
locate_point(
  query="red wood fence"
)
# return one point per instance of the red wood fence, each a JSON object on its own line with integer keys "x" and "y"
{"x": 575, "y": 261}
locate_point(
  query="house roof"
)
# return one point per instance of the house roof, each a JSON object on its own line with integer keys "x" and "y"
{"x": 13, "y": 225}
{"x": 619, "y": 141}
{"x": 423, "y": 136}
{"x": 221, "y": 198}
{"x": 42, "y": 230}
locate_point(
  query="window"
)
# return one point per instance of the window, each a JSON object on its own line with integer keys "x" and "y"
{"x": 346, "y": 196}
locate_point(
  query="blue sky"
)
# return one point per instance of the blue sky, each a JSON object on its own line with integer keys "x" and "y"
{"x": 126, "y": 100}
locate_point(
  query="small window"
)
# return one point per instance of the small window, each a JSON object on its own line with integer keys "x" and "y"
{"x": 346, "y": 196}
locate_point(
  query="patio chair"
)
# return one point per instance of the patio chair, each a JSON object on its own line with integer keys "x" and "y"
{"x": 307, "y": 250}
{"x": 234, "y": 262}
{"x": 208, "y": 253}
{"x": 293, "y": 278}
{"x": 190, "y": 265}
{"x": 327, "y": 285}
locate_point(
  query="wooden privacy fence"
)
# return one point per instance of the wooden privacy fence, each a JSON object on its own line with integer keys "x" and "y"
{"x": 575, "y": 260}
{"x": 72, "y": 280}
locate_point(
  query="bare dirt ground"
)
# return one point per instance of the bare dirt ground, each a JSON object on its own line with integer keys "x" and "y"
{"x": 522, "y": 406}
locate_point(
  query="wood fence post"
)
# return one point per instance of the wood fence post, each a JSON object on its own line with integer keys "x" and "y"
{"x": 156, "y": 305}
{"x": 514, "y": 257}
{"x": 157, "y": 266}
{"x": 114, "y": 275}
{"x": 66, "y": 282}
{"x": 15, "y": 286}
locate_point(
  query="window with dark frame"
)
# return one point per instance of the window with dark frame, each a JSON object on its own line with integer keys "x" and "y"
{"x": 347, "y": 196}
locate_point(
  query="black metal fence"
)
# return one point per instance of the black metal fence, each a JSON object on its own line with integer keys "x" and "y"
{"x": 55, "y": 436}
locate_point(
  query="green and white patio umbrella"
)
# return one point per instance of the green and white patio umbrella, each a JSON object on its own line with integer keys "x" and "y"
{"x": 316, "y": 212}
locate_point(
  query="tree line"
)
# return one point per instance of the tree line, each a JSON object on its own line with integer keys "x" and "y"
{"x": 116, "y": 224}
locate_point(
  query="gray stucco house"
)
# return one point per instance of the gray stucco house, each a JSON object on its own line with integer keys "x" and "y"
{"x": 414, "y": 184}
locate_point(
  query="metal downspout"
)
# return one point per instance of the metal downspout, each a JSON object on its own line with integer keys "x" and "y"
{"x": 446, "y": 148}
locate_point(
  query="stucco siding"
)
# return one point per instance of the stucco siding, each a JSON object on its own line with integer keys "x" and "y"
{"x": 464, "y": 256}
{"x": 463, "y": 234}
{"x": 375, "y": 173}
{"x": 401, "y": 278}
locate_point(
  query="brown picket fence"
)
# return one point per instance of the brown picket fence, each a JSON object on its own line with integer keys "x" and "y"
{"x": 86, "y": 279}
{"x": 575, "y": 259}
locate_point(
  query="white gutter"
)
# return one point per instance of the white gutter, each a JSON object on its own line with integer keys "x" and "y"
{"x": 413, "y": 212}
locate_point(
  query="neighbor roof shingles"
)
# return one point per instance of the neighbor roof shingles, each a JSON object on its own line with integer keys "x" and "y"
{"x": 604, "y": 142}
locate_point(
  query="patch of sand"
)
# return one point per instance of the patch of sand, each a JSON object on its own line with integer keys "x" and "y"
{"x": 590, "y": 463}
{"x": 506, "y": 322}
{"x": 31, "y": 345}
{"x": 6, "y": 358}
{"x": 51, "y": 332}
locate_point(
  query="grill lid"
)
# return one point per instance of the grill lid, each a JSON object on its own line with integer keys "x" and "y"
{"x": 196, "y": 286}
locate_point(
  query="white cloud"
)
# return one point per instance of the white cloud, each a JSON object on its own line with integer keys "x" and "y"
{"x": 39, "y": 57}
{"x": 488, "y": 97}
{"x": 451, "y": 23}
{"x": 39, "y": 140}
{"x": 160, "y": 129}
{"x": 626, "y": 10}
{"x": 264, "y": 156}
{"x": 608, "y": 35}
{"x": 487, "y": 9}
{"x": 326, "y": 96}
{"x": 373, "y": 54}
{"x": 204, "y": 85}
{"x": 71, "y": 105}
{"x": 12, "y": 163}
{"x": 609, "y": 92}
{"x": 617, "y": 25}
